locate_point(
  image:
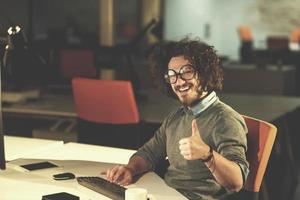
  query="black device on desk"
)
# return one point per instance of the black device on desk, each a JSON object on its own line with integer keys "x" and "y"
{"x": 39, "y": 165}
{"x": 104, "y": 187}
{"x": 60, "y": 196}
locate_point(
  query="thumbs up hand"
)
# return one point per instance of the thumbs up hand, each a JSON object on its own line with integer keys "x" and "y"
{"x": 193, "y": 147}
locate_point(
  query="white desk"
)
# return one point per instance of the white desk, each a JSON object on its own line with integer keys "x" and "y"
{"x": 76, "y": 151}
{"x": 73, "y": 157}
{"x": 20, "y": 147}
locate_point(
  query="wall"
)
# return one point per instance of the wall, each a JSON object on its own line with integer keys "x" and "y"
{"x": 182, "y": 18}
{"x": 221, "y": 18}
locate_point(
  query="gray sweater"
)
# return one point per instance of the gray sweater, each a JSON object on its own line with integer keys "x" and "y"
{"x": 220, "y": 127}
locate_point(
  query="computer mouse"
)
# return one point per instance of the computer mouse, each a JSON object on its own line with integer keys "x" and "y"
{"x": 63, "y": 176}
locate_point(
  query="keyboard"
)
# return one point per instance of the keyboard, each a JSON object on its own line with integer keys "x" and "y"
{"x": 102, "y": 186}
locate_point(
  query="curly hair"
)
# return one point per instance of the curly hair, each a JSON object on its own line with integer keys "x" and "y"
{"x": 202, "y": 56}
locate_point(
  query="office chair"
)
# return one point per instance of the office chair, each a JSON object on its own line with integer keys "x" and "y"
{"x": 261, "y": 136}
{"x": 294, "y": 43}
{"x": 245, "y": 33}
{"x": 107, "y": 111}
{"x": 278, "y": 46}
{"x": 246, "y": 49}
{"x": 295, "y": 35}
{"x": 77, "y": 62}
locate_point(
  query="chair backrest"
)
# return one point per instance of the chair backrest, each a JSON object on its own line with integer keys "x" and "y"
{"x": 261, "y": 137}
{"x": 295, "y": 35}
{"x": 245, "y": 33}
{"x": 105, "y": 101}
{"x": 77, "y": 63}
{"x": 278, "y": 43}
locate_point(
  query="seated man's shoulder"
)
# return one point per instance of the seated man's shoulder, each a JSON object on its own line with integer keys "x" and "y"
{"x": 224, "y": 112}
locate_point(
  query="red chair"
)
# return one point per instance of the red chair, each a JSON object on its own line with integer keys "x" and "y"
{"x": 247, "y": 54}
{"x": 245, "y": 33}
{"x": 108, "y": 113}
{"x": 295, "y": 35}
{"x": 261, "y": 137}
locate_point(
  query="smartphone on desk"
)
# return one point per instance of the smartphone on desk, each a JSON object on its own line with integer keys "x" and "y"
{"x": 38, "y": 166}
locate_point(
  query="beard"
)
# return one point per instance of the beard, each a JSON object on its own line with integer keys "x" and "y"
{"x": 194, "y": 94}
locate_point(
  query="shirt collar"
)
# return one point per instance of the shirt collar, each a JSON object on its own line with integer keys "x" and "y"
{"x": 204, "y": 103}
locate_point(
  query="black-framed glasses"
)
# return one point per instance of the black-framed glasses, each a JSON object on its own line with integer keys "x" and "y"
{"x": 186, "y": 72}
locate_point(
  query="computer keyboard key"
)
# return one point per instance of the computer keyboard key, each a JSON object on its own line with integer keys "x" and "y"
{"x": 102, "y": 186}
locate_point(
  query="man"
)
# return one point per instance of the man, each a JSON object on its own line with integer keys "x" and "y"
{"x": 205, "y": 139}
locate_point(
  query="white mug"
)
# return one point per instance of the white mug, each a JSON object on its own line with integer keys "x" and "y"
{"x": 137, "y": 194}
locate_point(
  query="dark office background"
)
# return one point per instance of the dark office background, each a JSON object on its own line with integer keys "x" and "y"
{"x": 46, "y": 19}
{"x": 54, "y": 25}
{"x": 265, "y": 65}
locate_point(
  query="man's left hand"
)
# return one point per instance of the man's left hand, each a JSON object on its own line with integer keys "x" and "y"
{"x": 193, "y": 147}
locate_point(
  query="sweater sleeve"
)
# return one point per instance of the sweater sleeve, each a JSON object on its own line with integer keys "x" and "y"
{"x": 154, "y": 150}
{"x": 230, "y": 140}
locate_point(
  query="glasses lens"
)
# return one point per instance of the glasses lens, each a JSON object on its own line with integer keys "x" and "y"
{"x": 171, "y": 76}
{"x": 187, "y": 72}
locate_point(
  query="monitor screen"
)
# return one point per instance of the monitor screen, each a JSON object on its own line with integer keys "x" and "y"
{"x": 2, "y": 154}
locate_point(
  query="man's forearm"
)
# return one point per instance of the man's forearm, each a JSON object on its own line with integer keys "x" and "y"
{"x": 137, "y": 165}
{"x": 226, "y": 172}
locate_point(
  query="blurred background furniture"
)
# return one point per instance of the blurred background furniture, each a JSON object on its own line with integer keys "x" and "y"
{"x": 246, "y": 46}
{"x": 294, "y": 40}
{"x": 107, "y": 112}
{"x": 278, "y": 47}
{"x": 77, "y": 62}
{"x": 250, "y": 79}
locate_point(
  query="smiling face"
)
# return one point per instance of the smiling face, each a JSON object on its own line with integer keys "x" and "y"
{"x": 188, "y": 91}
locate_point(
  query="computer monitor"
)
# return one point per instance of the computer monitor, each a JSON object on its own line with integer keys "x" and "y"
{"x": 2, "y": 153}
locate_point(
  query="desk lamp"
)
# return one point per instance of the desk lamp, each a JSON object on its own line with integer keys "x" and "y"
{"x": 11, "y": 41}
{"x": 15, "y": 58}
{"x": 20, "y": 66}
{"x": 23, "y": 68}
